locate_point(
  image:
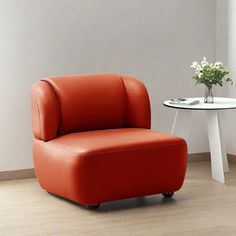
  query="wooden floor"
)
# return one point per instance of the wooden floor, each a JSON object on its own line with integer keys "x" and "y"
{"x": 201, "y": 207}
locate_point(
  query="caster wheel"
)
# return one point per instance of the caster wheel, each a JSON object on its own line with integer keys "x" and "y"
{"x": 92, "y": 207}
{"x": 168, "y": 195}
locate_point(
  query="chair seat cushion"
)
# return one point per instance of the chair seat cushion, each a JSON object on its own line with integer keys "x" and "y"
{"x": 97, "y": 166}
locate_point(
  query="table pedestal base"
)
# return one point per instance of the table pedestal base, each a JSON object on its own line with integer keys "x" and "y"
{"x": 219, "y": 162}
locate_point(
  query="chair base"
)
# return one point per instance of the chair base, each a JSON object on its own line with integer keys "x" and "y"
{"x": 96, "y": 206}
{"x": 92, "y": 207}
{"x": 168, "y": 194}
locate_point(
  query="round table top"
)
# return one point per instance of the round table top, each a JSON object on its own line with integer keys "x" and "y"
{"x": 220, "y": 103}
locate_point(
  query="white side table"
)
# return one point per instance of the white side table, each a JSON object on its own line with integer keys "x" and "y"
{"x": 181, "y": 125}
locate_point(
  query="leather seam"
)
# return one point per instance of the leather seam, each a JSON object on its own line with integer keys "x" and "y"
{"x": 134, "y": 149}
{"x": 83, "y": 176}
{"x": 125, "y": 105}
{"x": 83, "y": 155}
{"x": 39, "y": 117}
{"x": 62, "y": 147}
{"x": 68, "y": 148}
{"x": 58, "y": 101}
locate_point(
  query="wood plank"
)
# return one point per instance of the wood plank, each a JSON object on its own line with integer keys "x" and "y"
{"x": 202, "y": 207}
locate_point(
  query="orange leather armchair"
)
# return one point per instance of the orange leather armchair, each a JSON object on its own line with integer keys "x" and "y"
{"x": 93, "y": 143}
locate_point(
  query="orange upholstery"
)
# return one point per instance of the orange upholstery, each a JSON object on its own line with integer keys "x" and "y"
{"x": 45, "y": 111}
{"x": 93, "y": 143}
{"x": 74, "y": 103}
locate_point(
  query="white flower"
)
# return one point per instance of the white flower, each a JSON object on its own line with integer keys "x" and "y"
{"x": 209, "y": 73}
{"x": 198, "y": 69}
{"x": 194, "y": 65}
{"x": 204, "y": 62}
{"x": 199, "y": 75}
{"x": 218, "y": 64}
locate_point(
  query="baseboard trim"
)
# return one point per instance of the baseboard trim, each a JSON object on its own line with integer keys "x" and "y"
{"x": 231, "y": 158}
{"x": 205, "y": 156}
{"x": 17, "y": 174}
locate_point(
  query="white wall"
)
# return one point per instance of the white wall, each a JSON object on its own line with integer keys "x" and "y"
{"x": 222, "y": 32}
{"x": 155, "y": 40}
{"x": 222, "y": 55}
{"x": 231, "y": 134}
{"x": 226, "y": 51}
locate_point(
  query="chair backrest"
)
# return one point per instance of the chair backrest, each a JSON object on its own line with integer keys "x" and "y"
{"x": 66, "y": 104}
